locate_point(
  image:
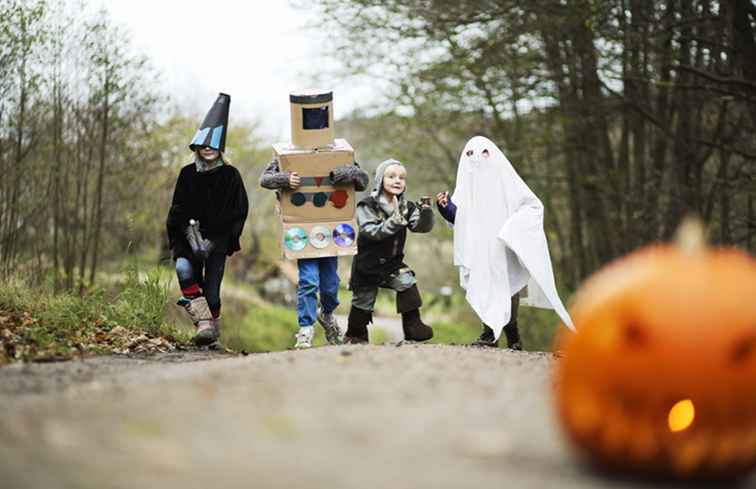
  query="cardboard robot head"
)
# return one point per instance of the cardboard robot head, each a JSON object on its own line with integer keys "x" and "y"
{"x": 311, "y": 118}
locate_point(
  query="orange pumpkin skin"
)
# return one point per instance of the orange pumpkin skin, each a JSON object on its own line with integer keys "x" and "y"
{"x": 656, "y": 327}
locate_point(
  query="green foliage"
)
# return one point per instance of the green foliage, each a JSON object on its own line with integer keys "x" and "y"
{"x": 263, "y": 328}
{"x": 453, "y": 333}
{"x": 38, "y": 324}
{"x": 142, "y": 302}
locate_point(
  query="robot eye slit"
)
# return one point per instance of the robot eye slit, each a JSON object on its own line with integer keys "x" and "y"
{"x": 485, "y": 153}
{"x": 469, "y": 152}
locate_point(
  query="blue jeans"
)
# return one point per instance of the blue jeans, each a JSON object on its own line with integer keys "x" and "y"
{"x": 314, "y": 274}
{"x": 208, "y": 275}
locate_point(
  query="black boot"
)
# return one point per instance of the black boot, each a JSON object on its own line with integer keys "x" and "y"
{"x": 414, "y": 328}
{"x": 357, "y": 326}
{"x": 486, "y": 339}
{"x": 513, "y": 336}
{"x": 408, "y": 304}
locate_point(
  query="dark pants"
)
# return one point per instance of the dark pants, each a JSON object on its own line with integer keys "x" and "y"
{"x": 515, "y": 304}
{"x": 207, "y": 274}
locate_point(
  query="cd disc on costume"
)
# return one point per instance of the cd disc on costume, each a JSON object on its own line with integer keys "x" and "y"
{"x": 320, "y": 237}
{"x": 343, "y": 235}
{"x": 295, "y": 239}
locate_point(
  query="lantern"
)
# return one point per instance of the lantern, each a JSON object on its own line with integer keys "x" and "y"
{"x": 660, "y": 377}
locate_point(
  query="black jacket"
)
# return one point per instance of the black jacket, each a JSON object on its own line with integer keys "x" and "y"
{"x": 217, "y": 199}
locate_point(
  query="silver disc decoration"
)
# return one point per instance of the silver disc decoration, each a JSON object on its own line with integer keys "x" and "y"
{"x": 320, "y": 237}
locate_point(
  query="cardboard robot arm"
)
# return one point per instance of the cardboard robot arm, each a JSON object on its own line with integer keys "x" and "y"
{"x": 350, "y": 174}
{"x": 273, "y": 178}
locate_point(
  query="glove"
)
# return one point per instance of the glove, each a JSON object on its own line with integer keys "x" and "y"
{"x": 209, "y": 245}
{"x": 342, "y": 174}
{"x": 196, "y": 242}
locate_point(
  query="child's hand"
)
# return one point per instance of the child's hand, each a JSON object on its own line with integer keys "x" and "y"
{"x": 294, "y": 180}
{"x": 442, "y": 199}
{"x": 399, "y": 212}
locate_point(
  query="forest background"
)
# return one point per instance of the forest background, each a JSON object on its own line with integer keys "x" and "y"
{"x": 622, "y": 115}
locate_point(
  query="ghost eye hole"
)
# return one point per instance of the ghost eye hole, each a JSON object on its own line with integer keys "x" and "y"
{"x": 469, "y": 152}
{"x": 486, "y": 154}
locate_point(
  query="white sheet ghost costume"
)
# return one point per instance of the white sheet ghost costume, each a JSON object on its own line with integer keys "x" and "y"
{"x": 499, "y": 243}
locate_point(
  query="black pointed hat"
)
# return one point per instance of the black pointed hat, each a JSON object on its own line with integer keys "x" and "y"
{"x": 212, "y": 132}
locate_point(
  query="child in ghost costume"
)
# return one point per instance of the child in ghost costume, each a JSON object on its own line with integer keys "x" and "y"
{"x": 499, "y": 243}
{"x": 383, "y": 218}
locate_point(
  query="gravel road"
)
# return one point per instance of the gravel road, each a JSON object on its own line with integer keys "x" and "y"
{"x": 332, "y": 417}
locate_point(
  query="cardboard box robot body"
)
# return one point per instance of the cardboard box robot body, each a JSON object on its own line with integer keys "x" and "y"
{"x": 318, "y": 217}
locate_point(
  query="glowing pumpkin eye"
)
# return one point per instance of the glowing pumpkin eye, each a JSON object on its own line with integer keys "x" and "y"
{"x": 635, "y": 337}
{"x": 744, "y": 349}
{"x": 486, "y": 154}
{"x": 469, "y": 152}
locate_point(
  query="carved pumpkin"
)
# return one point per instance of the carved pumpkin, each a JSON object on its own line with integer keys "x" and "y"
{"x": 660, "y": 377}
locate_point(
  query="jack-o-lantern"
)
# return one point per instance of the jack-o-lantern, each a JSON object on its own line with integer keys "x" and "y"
{"x": 660, "y": 377}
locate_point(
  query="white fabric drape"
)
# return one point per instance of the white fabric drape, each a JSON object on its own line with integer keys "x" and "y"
{"x": 499, "y": 242}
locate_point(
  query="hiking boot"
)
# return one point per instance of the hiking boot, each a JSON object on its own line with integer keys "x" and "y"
{"x": 513, "y": 336}
{"x": 304, "y": 337}
{"x": 357, "y": 332}
{"x": 199, "y": 312}
{"x": 414, "y": 328}
{"x": 487, "y": 339}
{"x": 331, "y": 326}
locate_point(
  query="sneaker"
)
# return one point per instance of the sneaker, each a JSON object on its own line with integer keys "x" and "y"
{"x": 304, "y": 337}
{"x": 331, "y": 326}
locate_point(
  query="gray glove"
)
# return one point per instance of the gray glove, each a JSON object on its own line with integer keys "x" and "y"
{"x": 200, "y": 246}
{"x": 342, "y": 175}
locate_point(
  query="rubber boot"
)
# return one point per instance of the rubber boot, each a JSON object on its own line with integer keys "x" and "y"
{"x": 414, "y": 328}
{"x": 357, "y": 331}
{"x": 513, "y": 336}
{"x": 199, "y": 312}
{"x": 408, "y": 304}
{"x": 486, "y": 339}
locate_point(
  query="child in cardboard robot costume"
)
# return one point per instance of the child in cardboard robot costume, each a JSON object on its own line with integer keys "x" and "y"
{"x": 499, "y": 243}
{"x": 205, "y": 221}
{"x": 315, "y": 178}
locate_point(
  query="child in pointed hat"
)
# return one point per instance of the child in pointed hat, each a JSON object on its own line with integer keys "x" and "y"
{"x": 205, "y": 221}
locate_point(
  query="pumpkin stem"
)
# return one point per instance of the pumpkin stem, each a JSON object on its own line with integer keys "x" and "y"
{"x": 691, "y": 235}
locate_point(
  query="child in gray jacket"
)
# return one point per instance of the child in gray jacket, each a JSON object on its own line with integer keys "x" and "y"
{"x": 384, "y": 218}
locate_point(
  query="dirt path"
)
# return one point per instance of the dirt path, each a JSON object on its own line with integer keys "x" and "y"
{"x": 332, "y": 417}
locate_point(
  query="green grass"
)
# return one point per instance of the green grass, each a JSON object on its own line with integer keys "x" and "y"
{"x": 44, "y": 325}
{"x": 260, "y": 329}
